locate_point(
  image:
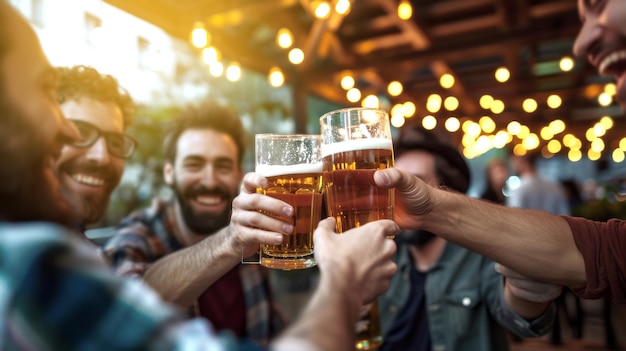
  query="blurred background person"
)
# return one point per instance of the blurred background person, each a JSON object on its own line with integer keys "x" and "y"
{"x": 534, "y": 191}
{"x": 437, "y": 279}
{"x": 496, "y": 175}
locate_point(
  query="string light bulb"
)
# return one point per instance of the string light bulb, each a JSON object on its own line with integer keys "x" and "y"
{"x": 199, "y": 35}
{"x": 296, "y": 56}
{"x": 502, "y": 74}
{"x": 347, "y": 82}
{"x": 395, "y": 88}
{"x": 566, "y": 64}
{"x": 405, "y": 10}
{"x": 284, "y": 38}
{"x": 276, "y": 77}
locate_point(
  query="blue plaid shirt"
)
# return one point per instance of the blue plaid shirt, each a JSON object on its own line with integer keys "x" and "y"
{"x": 56, "y": 293}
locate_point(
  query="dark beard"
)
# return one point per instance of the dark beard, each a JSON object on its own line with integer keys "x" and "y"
{"x": 418, "y": 238}
{"x": 202, "y": 223}
{"x": 28, "y": 188}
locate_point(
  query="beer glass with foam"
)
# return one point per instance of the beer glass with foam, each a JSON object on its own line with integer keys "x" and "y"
{"x": 292, "y": 165}
{"x": 356, "y": 142}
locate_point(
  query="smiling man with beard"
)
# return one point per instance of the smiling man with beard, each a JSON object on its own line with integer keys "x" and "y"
{"x": 57, "y": 294}
{"x": 91, "y": 168}
{"x": 203, "y": 154}
{"x": 437, "y": 279}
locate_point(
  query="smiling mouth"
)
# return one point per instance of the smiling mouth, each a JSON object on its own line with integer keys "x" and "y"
{"x": 87, "y": 179}
{"x": 208, "y": 200}
{"x": 613, "y": 63}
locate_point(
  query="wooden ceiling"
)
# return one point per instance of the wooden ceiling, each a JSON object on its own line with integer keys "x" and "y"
{"x": 469, "y": 39}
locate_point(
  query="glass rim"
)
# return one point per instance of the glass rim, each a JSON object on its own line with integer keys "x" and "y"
{"x": 286, "y": 136}
{"x": 350, "y": 109}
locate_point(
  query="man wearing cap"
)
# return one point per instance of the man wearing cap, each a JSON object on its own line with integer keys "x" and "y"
{"x": 445, "y": 297}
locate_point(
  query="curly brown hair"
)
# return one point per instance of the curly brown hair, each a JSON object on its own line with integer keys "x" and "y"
{"x": 83, "y": 81}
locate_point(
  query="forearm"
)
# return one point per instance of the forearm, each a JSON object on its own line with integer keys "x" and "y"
{"x": 534, "y": 243}
{"x": 182, "y": 276}
{"x": 329, "y": 318}
{"x": 525, "y": 308}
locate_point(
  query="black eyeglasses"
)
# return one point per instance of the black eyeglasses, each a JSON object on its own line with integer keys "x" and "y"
{"x": 118, "y": 144}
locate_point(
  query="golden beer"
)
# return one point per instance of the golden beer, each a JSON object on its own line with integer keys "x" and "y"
{"x": 301, "y": 187}
{"x": 351, "y": 195}
{"x": 368, "y": 329}
{"x": 356, "y": 143}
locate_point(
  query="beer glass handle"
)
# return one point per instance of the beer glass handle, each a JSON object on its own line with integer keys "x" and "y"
{"x": 254, "y": 259}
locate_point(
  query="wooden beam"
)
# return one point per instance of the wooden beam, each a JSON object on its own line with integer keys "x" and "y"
{"x": 416, "y": 36}
{"x": 320, "y": 28}
{"x": 552, "y": 8}
{"x": 465, "y": 26}
{"x": 444, "y": 8}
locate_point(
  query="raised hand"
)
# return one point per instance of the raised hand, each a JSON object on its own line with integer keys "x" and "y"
{"x": 254, "y": 217}
{"x": 361, "y": 257}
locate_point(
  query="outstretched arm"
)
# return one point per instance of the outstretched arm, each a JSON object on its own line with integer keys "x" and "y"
{"x": 182, "y": 276}
{"x": 534, "y": 243}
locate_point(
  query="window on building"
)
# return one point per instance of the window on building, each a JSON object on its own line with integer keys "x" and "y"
{"x": 143, "y": 52}
{"x": 91, "y": 23}
{"x": 37, "y": 12}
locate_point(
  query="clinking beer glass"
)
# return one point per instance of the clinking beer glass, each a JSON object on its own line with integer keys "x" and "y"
{"x": 292, "y": 165}
{"x": 356, "y": 142}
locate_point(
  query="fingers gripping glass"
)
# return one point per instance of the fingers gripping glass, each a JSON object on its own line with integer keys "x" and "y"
{"x": 118, "y": 144}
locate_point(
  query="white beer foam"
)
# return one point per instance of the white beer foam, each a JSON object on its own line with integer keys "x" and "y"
{"x": 357, "y": 144}
{"x": 276, "y": 170}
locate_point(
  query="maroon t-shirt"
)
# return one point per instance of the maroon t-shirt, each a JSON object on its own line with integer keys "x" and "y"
{"x": 224, "y": 305}
{"x": 603, "y": 246}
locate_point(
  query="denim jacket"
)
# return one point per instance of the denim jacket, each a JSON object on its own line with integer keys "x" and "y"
{"x": 465, "y": 303}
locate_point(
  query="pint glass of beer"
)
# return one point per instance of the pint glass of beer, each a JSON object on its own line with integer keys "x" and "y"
{"x": 292, "y": 165}
{"x": 356, "y": 142}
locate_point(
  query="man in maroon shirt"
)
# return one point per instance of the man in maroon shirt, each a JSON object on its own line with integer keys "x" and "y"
{"x": 203, "y": 153}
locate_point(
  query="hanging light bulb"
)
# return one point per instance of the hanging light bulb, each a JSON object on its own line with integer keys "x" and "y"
{"x": 405, "y": 10}
{"x": 199, "y": 35}
{"x": 284, "y": 38}
{"x": 347, "y": 82}
{"x": 276, "y": 77}
{"x": 370, "y": 101}
{"x": 296, "y": 56}
{"x": 216, "y": 69}
{"x": 394, "y": 88}
{"x": 211, "y": 55}
{"x": 342, "y": 7}
{"x": 502, "y": 74}
{"x": 321, "y": 9}
{"x": 446, "y": 81}
{"x": 566, "y": 64}
{"x": 233, "y": 72}
{"x": 353, "y": 95}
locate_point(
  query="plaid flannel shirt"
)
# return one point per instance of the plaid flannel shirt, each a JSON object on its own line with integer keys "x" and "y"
{"x": 56, "y": 293}
{"x": 149, "y": 234}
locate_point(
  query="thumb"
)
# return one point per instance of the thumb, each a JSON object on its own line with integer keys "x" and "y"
{"x": 327, "y": 224}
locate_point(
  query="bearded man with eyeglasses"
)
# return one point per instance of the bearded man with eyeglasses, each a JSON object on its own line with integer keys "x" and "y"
{"x": 90, "y": 168}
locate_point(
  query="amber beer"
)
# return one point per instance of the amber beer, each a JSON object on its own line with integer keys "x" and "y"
{"x": 357, "y": 143}
{"x": 301, "y": 187}
{"x": 352, "y": 197}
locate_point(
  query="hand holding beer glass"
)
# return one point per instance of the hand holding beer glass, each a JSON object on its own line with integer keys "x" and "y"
{"x": 356, "y": 142}
{"x": 292, "y": 165}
